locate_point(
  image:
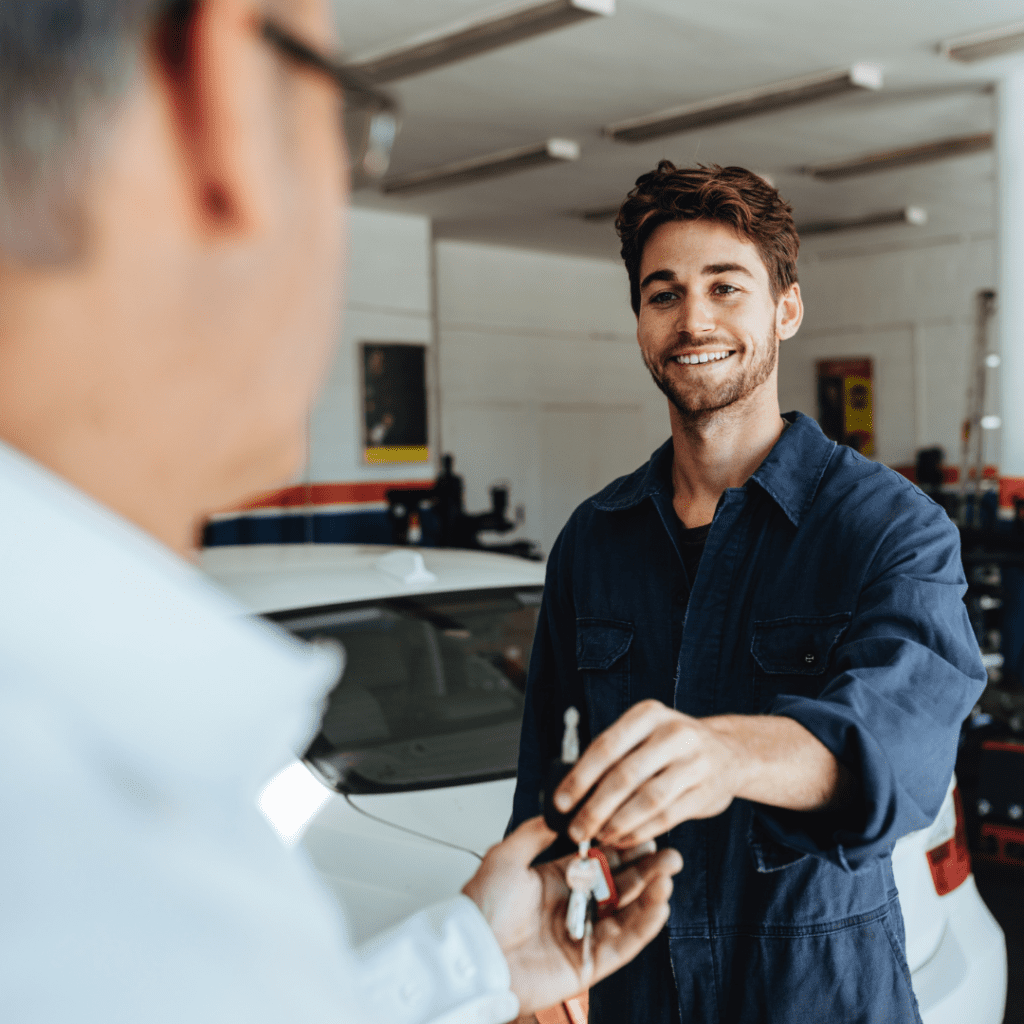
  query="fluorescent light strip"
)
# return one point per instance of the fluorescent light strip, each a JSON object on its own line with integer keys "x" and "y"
{"x": 982, "y": 45}
{"x": 915, "y": 215}
{"x": 477, "y": 35}
{"x": 749, "y": 103}
{"x": 893, "y": 159}
{"x": 509, "y": 161}
{"x": 599, "y": 213}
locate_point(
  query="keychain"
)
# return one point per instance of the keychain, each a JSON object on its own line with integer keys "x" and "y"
{"x": 604, "y": 894}
{"x": 582, "y": 876}
{"x": 592, "y": 890}
{"x": 557, "y": 771}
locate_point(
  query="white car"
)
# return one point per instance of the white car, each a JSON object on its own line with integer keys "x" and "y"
{"x": 411, "y": 777}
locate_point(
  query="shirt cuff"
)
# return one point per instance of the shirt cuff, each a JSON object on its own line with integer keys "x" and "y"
{"x": 862, "y": 831}
{"x": 442, "y": 966}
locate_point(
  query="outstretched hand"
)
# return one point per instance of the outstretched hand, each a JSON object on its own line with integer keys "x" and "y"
{"x": 526, "y": 907}
{"x": 656, "y": 767}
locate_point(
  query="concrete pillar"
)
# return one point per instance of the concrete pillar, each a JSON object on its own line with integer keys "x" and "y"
{"x": 1010, "y": 296}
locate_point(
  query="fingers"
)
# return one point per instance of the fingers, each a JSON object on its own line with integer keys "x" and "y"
{"x": 532, "y": 838}
{"x": 618, "y": 858}
{"x": 545, "y": 964}
{"x": 652, "y": 776}
{"x": 505, "y": 870}
{"x": 658, "y": 825}
{"x": 608, "y": 748}
{"x": 617, "y": 939}
{"x": 631, "y": 881}
{"x": 651, "y": 800}
{"x": 702, "y": 801}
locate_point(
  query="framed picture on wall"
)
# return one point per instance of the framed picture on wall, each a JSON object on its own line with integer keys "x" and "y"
{"x": 846, "y": 403}
{"x": 394, "y": 388}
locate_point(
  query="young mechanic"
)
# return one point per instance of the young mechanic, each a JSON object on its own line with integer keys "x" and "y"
{"x": 767, "y": 635}
{"x": 172, "y": 215}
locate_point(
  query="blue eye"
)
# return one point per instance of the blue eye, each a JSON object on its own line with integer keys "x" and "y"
{"x": 662, "y": 297}
{"x": 731, "y": 288}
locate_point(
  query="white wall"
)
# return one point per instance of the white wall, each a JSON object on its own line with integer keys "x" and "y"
{"x": 541, "y": 381}
{"x": 388, "y": 299}
{"x": 1010, "y": 178}
{"x": 909, "y": 304}
{"x": 542, "y": 385}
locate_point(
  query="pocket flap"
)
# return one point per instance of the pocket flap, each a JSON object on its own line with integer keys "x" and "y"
{"x": 797, "y": 645}
{"x": 601, "y": 642}
{"x": 769, "y": 854}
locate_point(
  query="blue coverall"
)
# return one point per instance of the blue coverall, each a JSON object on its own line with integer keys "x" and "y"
{"x": 829, "y": 591}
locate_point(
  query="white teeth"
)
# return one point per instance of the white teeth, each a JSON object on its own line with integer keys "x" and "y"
{"x": 702, "y": 357}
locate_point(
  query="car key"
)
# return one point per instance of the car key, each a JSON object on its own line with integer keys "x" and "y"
{"x": 557, "y": 771}
{"x": 583, "y": 875}
{"x": 604, "y": 895}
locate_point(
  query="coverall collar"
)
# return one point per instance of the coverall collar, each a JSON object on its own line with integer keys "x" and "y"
{"x": 789, "y": 475}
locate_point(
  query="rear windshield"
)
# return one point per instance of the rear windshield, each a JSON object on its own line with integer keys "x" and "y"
{"x": 432, "y": 691}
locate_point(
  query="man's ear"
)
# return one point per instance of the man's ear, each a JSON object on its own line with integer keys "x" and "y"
{"x": 223, "y": 99}
{"x": 789, "y": 313}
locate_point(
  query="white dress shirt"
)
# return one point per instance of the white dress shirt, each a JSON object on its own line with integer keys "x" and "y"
{"x": 141, "y": 713}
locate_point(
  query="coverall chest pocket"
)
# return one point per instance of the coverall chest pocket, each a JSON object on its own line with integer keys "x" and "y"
{"x": 793, "y": 655}
{"x": 602, "y": 658}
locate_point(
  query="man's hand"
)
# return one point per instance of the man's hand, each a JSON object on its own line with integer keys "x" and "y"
{"x": 657, "y": 767}
{"x": 526, "y": 906}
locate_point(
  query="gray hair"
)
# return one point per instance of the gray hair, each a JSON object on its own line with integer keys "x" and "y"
{"x": 63, "y": 64}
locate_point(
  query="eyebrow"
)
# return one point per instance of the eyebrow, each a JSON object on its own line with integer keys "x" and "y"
{"x": 708, "y": 271}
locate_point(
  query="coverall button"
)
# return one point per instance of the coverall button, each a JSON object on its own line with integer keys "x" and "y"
{"x": 810, "y": 658}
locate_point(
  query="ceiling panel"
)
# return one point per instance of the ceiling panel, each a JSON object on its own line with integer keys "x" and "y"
{"x": 654, "y": 54}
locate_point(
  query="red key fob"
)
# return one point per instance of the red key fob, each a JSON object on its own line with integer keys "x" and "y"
{"x": 606, "y": 896}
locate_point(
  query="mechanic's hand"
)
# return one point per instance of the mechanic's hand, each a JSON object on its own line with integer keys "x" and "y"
{"x": 658, "y": 767}
{"x": 526, "y": 907}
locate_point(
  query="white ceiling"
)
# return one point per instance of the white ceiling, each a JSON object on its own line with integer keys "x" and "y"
{"x": 654, "y": 54}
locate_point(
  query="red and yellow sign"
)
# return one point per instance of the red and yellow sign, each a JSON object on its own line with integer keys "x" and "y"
{"x": 846, "y": 407}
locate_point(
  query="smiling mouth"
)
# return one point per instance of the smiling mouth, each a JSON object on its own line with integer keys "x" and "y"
{"x": 702, "y": 357}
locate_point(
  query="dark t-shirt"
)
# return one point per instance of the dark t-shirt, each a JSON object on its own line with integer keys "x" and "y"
{"x": 691, "y": 546}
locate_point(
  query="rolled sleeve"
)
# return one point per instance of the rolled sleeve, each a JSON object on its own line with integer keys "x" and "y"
{"x": 907, "y": 672}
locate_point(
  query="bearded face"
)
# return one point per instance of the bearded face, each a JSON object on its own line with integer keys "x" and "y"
{"x": 701, "y": 391}
{"x": 708, "y": 325}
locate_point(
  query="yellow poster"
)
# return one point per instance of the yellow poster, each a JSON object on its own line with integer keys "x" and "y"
{"x": 858, "y": 408}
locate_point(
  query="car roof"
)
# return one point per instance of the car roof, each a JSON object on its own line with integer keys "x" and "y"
{"x": 279, "y": 577}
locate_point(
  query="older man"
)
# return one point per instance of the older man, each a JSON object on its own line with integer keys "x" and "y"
{"x": 171, "y": 236}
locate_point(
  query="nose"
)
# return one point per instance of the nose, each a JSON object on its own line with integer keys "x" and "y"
{"x": 695, "y": 317}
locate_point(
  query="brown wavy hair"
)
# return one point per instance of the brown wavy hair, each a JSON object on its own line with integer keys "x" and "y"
{"x": 729, "y": 195}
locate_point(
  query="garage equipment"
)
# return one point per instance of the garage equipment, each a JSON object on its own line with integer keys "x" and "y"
{"x": 455, "y": 527}
{"x": 971, "y": 451}
{"x": 1000, "y": 801}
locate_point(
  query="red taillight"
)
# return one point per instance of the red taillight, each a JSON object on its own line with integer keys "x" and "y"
{"x": 951, "y": 861}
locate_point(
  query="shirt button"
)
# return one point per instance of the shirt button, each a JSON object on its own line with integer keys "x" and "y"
{"x": 464, "y": 968}
{"x": 410, "y": 992}
{"x": 810, "y": 658}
